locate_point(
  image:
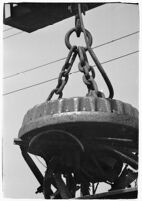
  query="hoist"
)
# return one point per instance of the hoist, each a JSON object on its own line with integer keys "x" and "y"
{"x": 83, "y": 140}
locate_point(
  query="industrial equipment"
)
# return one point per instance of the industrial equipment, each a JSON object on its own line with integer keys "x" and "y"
{"x": 83, "y": 140}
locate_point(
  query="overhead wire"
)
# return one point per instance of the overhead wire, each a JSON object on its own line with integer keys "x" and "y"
{"x": 55, "y": 61}
{"x": 13, "y": 35}
{"x": 49, "y": 80}
{"x": 34, "y": 68}
{"x": 30, "y": 86}
{"x": 113, "y": 59}
{"x": 7, "y": 29}
{"x": 40, "y": 161}
{"x": 117, "y": 39}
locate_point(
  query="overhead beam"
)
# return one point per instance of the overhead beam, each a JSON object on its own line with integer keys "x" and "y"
{"x": 30, "y": 17}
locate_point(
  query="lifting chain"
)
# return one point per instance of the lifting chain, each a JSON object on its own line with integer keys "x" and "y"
{"x": 64, "y": 74}
{"x": 84, "y": 67}
{"x": 94, "y": 57}
{"x": 89, "y": 73}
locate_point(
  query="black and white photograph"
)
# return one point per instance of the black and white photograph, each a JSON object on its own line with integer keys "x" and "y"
{"x": 70, "y": 100}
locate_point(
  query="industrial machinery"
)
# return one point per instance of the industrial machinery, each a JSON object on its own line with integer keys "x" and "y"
{"x": 83, "y": 140}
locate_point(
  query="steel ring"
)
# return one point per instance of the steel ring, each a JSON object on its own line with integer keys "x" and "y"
{"x": 68, "y": 34}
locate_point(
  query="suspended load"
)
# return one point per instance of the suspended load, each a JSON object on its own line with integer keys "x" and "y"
{"x": 87, "y": 139}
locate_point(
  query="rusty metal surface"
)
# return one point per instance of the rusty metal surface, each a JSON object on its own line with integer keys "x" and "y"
{"x": 30, "y": 17}
{"x": 81, "y": 109}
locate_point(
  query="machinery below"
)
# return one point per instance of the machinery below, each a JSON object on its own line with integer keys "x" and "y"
{"x": 85, "y": 140}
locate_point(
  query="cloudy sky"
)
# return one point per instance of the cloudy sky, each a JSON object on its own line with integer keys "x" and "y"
{"x": 25, "y": 51}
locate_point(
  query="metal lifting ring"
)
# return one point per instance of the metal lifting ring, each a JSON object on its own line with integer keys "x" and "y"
{"x": 68, "y": 34}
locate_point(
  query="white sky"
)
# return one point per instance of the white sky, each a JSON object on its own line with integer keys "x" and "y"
{"x": 25, "y": 51}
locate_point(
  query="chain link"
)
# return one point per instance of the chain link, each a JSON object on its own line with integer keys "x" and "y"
{"x": 77, "y": 26}
{"x": 64, "y": 74}
{"x": 77, "y": 20}
{"x": 84, "y": 67}
{"x": 89, "y": 73}
{"x": 92, "y": 54}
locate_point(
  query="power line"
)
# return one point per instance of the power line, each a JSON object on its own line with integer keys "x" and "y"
{"x": 30, "y": 86}
{"x": 8, "y": 29}
{"x": 46, "y": 64}
{"x": 13, "y": 35}
{"x": 113, "y": 59}
{"x": 25, "y": 71}
{"x": 40, "y": 161}
{"x": 125, "y": 36}
{"x": 40, "y": 83}
{"x": 125, "y": 55}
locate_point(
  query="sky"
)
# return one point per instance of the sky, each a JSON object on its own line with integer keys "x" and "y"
{"x": 25, "y": 51}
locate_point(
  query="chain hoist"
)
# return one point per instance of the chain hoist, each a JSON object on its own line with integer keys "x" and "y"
{"x": 83, "y": 66}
